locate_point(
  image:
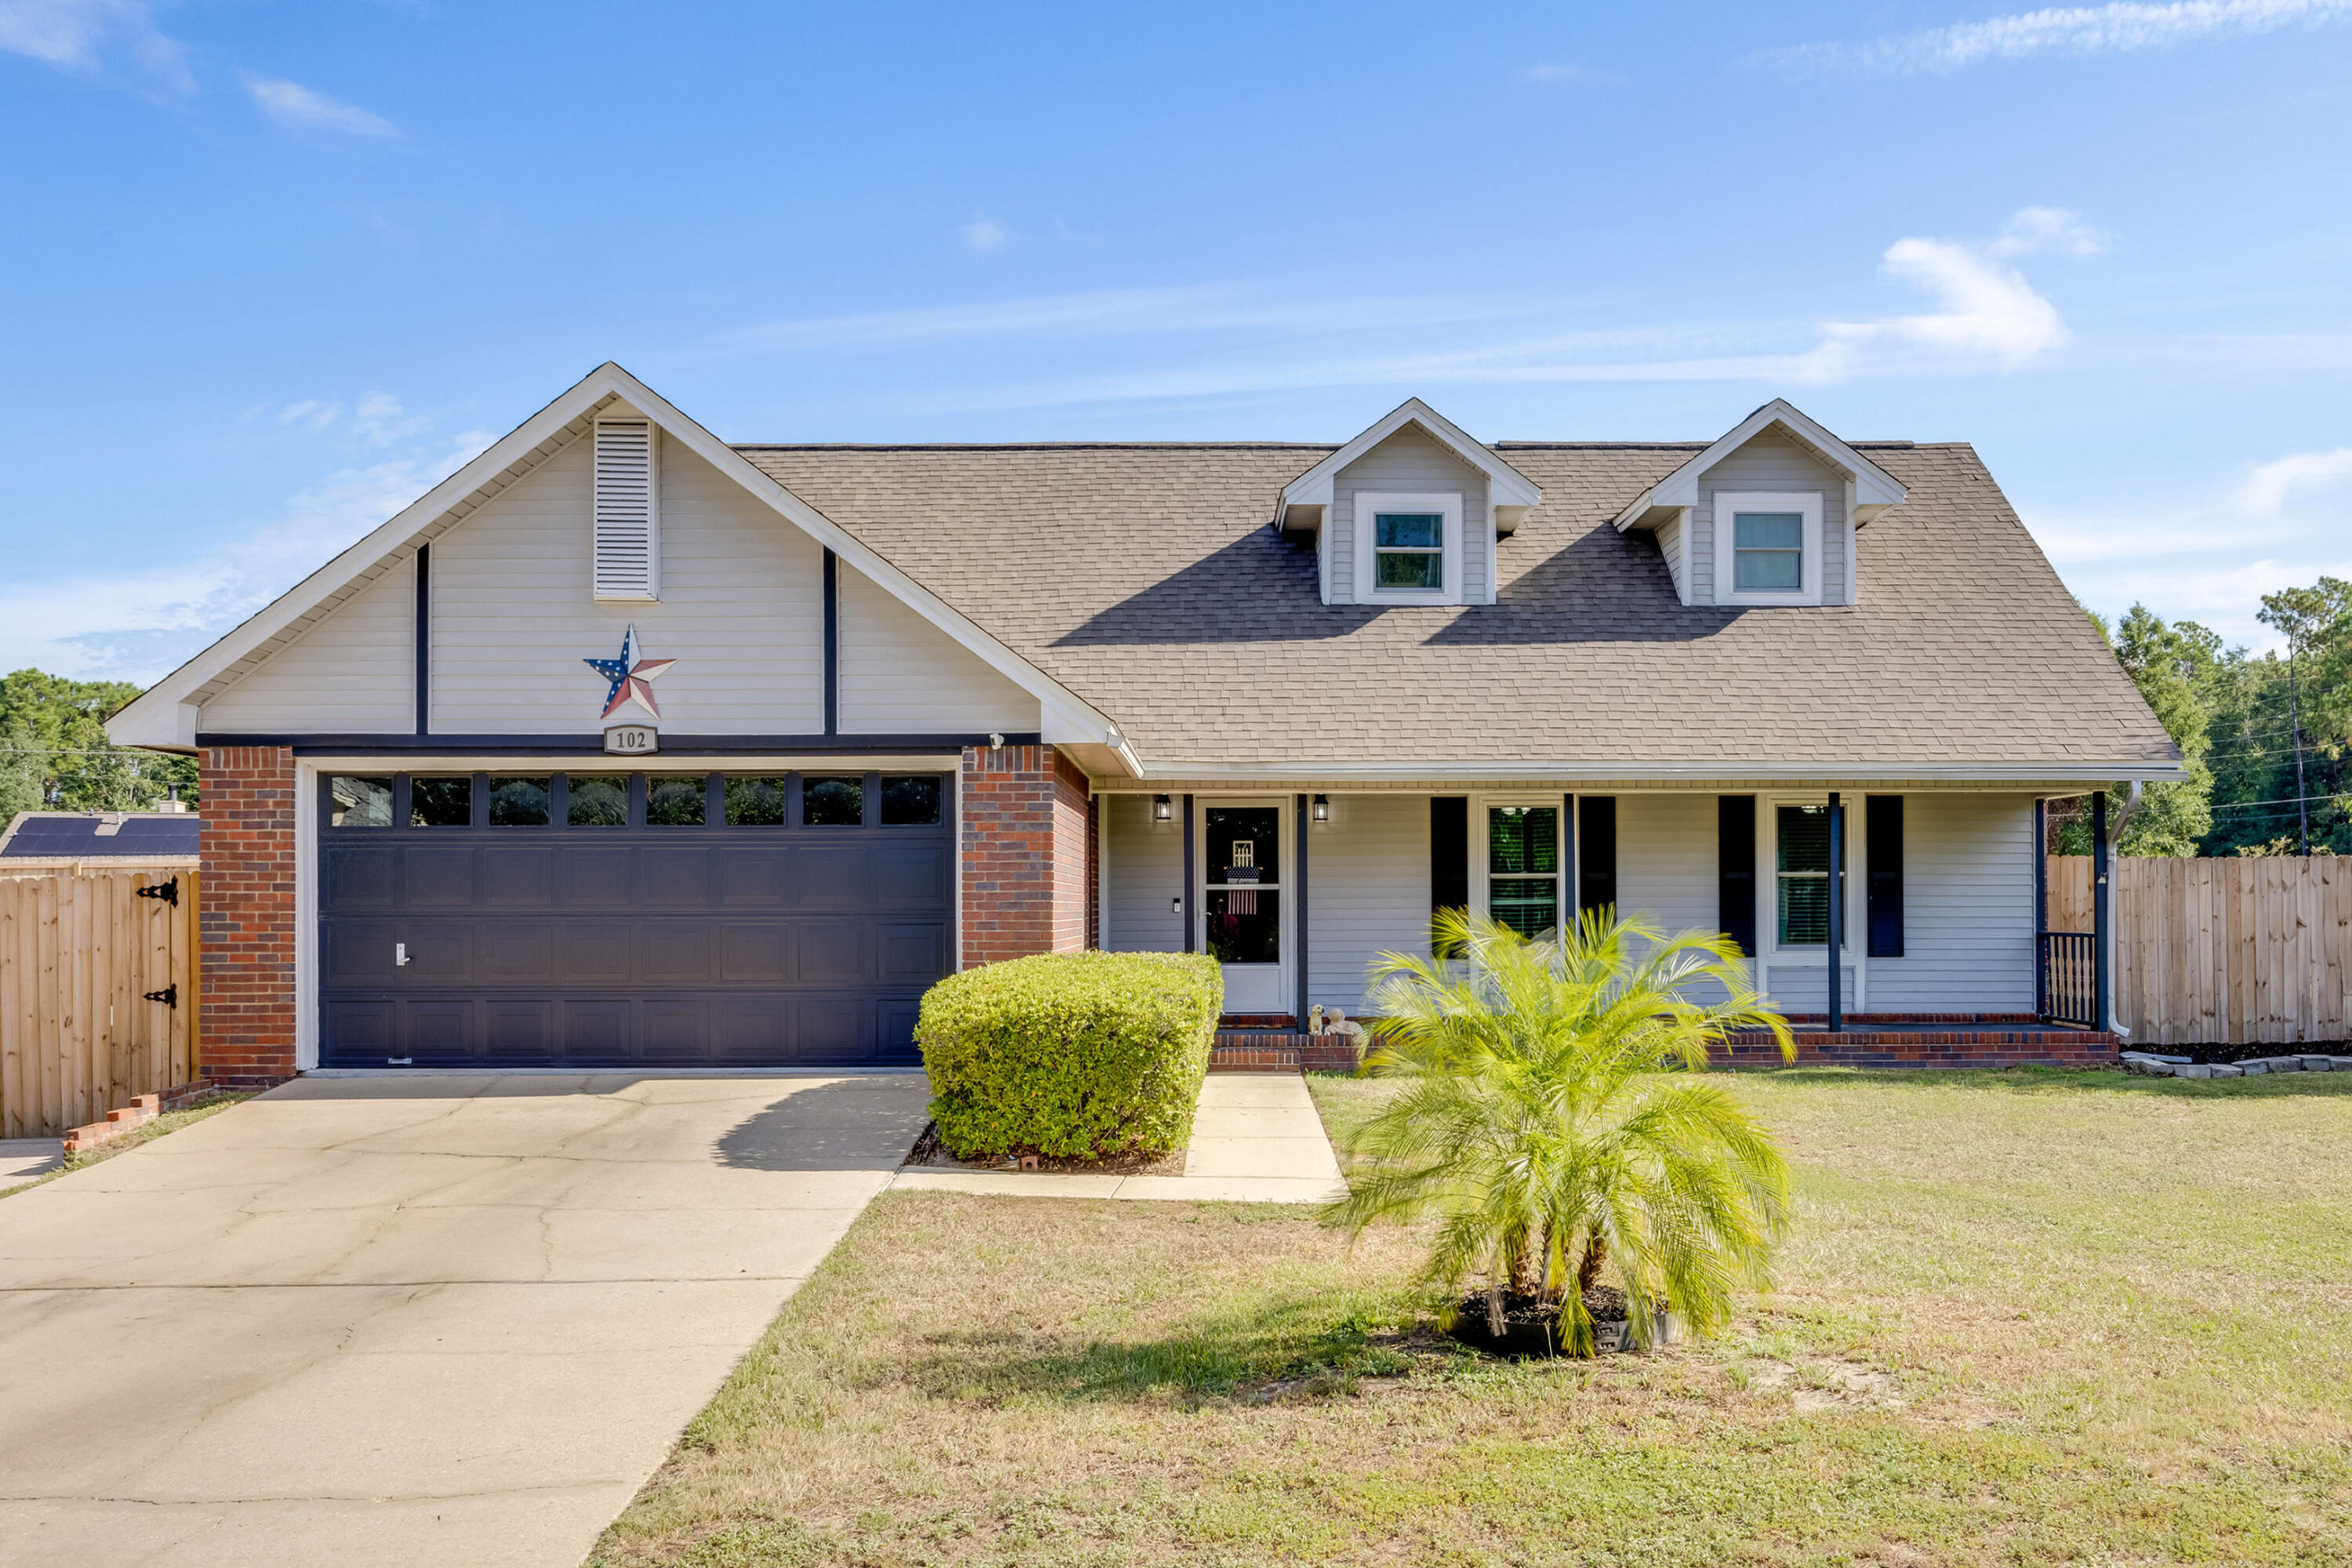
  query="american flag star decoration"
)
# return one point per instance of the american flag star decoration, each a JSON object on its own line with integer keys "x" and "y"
{"x": 631, "y": 676}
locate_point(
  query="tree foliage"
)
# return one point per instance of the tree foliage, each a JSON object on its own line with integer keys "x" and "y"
{"x": 1537, "y": 1129}
{"x": 2232, "y": 714}
{"x": 54, "y": 752}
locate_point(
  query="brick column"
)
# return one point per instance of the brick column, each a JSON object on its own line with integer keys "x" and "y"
{"x": 245, "y": 919}
{"x": 1025, "y": 853}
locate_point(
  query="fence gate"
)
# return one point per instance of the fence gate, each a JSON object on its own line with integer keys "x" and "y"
{"x": 98, "y": 993}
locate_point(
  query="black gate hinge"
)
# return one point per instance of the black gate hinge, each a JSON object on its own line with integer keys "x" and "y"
{"x": 169, "y": 996}
{"x": 167, "y": 891}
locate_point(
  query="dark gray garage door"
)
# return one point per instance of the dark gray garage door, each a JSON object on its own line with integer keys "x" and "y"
{"x": 630, "y": 920}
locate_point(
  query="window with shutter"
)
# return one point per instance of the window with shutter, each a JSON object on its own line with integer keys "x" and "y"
{"x": 628, "y": 511}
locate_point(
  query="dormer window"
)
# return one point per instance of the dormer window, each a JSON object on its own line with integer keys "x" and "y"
{"x": 1767, "y": 547}
{"x": 1408, "y": 549}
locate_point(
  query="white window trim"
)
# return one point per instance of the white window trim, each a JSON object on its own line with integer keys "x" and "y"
{"x": 1368, "y": 503}
{"x": 1482, "y": 901}
{"x": 1727, "y": 503}
{"x": 1768, "y": 886}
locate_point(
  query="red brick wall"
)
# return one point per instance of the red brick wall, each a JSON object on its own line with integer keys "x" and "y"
{"x": 245, "y": 920}
{"x": 1025, "y": 853}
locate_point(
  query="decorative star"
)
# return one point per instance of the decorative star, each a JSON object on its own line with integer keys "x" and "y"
{"x": 631, "y": 676}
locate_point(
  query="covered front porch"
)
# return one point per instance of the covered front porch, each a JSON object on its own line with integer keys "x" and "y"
{"x": 1928, "y": 896}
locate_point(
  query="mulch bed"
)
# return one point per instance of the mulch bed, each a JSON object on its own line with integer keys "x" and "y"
{"x": 1531, "y": 1327}
{"x": 931, "y": 1153}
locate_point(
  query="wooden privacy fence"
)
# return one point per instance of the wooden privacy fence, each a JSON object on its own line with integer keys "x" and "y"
{"x": 2253, "y": 949}
{"x": 82, "y": 950}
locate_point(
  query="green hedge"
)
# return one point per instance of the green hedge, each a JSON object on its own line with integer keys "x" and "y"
{"x": 1072, "y": 1055}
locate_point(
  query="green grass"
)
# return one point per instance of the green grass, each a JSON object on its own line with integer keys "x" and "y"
{"x": 2025, "y": 1318}
{"x": 145, "y": 1132}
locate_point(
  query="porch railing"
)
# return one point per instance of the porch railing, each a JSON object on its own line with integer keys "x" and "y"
{"x": 2070, "y": 982}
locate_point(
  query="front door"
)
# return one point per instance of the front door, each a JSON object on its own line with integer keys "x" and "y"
{"x": 1242, "y": 912}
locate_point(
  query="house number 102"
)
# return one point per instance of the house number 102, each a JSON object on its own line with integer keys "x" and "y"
{"x": 632, "y": 740}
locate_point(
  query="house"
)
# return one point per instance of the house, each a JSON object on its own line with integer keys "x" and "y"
{"x": 49, "y": 838}
{"x": 625, "y": 746}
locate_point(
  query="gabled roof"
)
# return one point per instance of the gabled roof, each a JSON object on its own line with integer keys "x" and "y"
{"x": 1874, "y": 489}
{"x": 165, "y": 715}
{"x": 1505, "y": 484}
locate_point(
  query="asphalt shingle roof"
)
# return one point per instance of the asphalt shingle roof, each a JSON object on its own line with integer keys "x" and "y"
{"x": 1145, "y": 578}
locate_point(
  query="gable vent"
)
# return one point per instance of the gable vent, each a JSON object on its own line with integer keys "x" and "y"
{"x": 628, "y": 511}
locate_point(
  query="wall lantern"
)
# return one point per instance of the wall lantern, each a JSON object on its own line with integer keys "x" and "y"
{"x": 1322, "y": 808}
{"x": 1162, "y": 809}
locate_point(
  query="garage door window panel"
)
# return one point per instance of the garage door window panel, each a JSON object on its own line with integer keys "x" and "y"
{"x": 910, "y": 800}
{"x": 832, "y": 802}
{"x": 755, "y": 802}
{"x": 441, "y": 800}
{"x": 518, "y": 802}
{"x": 676, "y": 800}
{"x": 596, "y": 800}
{"x": 359, "y": 800}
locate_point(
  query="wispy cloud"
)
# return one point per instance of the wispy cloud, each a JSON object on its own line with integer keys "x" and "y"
{"x": 1557, "y": 75}
{"x": 94, "y": 37}
{"x": 2120, "y": 28}
{"x": 311, "y": 414}
{"x": 1985, "y": 316}
{"x": 2209, "y": 559}
{"x": 1101, "y": 314}
{"x": 290, "y": 103}
{"x": 136, "y": 625}
{"x": 984, "y": 234}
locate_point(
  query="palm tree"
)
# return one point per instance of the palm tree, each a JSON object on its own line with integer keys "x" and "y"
{"x": 1535, "y": 1126}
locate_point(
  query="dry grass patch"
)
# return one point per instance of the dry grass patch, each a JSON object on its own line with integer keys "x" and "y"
{"x": 2026, "y": 1317}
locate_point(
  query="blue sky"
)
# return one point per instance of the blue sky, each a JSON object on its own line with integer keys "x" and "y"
{"x": 273, "y": 269}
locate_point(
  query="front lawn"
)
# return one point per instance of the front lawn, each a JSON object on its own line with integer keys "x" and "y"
{"x": 2025, "y": 1318}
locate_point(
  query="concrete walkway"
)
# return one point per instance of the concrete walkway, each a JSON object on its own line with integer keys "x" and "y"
{"x": 1256, "y": 1138}
{"x": 22, "y": 1159}
{"x": 407, "y": 1321}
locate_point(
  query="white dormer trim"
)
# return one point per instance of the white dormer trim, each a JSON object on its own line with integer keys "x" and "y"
{"x": 1505, "y": 486}
{"x": 1871, "y": 489}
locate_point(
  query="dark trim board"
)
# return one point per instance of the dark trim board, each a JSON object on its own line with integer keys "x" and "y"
{"x": 570, "y": 745}
{"x": 424, "y": 639}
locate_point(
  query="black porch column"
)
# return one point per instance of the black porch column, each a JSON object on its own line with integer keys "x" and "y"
{"x": 1184, "y": 901}
{"x": 2099, "y": 910}
{"x": 1837, "y": 914}
{"x": 1298, "y": 920}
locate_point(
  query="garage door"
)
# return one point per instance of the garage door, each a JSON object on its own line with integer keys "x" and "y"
{"x": 630, "y": 920}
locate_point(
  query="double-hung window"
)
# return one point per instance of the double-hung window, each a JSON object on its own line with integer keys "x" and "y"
{"x": 1802, "y": 876}
{"x": 1523, "y": 867}
{"x": 1408, "y": 548}
{"x": 1767, "y": 547}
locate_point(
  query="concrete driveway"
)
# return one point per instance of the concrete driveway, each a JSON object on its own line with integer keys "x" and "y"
{"x": 413, "y": 1321}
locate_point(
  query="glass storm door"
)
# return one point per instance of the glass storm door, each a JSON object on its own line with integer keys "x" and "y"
{"x": 1241, "y": 905}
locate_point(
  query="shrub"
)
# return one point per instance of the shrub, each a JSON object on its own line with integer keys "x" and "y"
{"x": 1072, "y": 1055}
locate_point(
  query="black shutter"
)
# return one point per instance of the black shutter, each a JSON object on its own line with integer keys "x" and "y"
{"x": 1449, "y": 853}
{"x": 1883, "y": 865}
{"x": 1735, "y": 875}
{"x": 1596, "y": 851}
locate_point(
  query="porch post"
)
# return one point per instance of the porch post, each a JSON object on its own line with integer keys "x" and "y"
{"x": 1837, "y": 915}
{"x": 2100, "y": 1001}
{"x": 2041, "y": 905}
{"x": 1184, "y": 899}
{"x": 1298, "y": 920}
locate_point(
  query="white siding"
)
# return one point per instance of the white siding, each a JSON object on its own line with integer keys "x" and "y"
{"x": 1772, "y": 462}
{"x": 1968, "y": 907}
{"x": 1367, "y": 892}
{"x": 1667, "y": 859}
{"x": 1670, "y": 543}
{"x": 901, "y": 675}
{"x": 742, "y": 610}
{"x": 1412, "y": 460}
{"x": 1143, "y": 869}
{"x": 353, "y": 673}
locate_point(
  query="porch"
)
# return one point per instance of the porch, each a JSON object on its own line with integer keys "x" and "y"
{"x": 1936, "y": 916}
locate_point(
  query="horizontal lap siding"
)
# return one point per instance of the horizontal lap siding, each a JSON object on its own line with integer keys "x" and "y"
{"x": 1145, "y": 871}
{"x": 513, "y": 614}
{"x": 353, "y": 673}
{"x": 1968, "y": 907}
{"x": 901, "y": 675}
{"x": 1367, "y": 892}
{"x": 1410, "y": 460}
{"x": 1772, "y": 462}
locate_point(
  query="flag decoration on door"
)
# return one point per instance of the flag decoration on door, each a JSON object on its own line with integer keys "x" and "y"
{"x": 1242, "y": 901}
